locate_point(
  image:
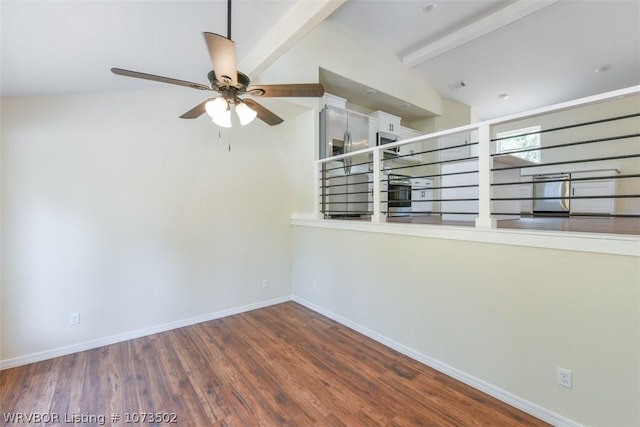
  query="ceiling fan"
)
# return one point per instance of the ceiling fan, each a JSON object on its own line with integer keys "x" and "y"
{"x": 230, "y": 84}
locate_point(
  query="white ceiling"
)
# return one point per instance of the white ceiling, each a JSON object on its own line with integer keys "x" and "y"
{"x": 539, "y": 57}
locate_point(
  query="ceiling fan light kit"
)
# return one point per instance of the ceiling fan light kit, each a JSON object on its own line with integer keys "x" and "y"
{"x": 219, "y": 111}
{"x": 230, "y": 84}
{"x": 245, "y": 114}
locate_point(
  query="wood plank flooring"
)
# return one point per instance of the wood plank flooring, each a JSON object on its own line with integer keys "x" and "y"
{"x": 579, "y": 224}
{"x": 283, "y": 365}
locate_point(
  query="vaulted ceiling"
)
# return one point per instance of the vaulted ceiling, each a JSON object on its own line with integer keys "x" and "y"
{"x": 536, "y": 52}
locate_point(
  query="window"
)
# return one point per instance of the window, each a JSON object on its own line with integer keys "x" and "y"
{"x": 518, "y": 140}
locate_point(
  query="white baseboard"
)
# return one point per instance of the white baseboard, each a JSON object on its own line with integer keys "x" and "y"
{"x": 502, "y": 395}
{"x": 88, "y": 345}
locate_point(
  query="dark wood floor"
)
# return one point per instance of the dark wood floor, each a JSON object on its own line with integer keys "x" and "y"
{"x": 629, "y": 226}
{"x": 279, "y": 366}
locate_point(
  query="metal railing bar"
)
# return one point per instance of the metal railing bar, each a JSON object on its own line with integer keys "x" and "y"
{"x": 569, "y": 162}
{"x": 570, "y": 215}
{"x": 619, "y": 196}
{"x": 344, "y": 185}
{"x": 434, "y": 150}
{"x": 444, "y": 174}
{"x": 593, "y": 122}
{"x": 345, "y": 176}
{"x": 348, "y": 193}
{"x": 327, "y": 169}
{"x": 423, "y": 176}
{"x": 445, "y": 187}
{"x": 568, "y": 144}
{"x": 347, "y": 213}
{"x": 599, "y": 178}
{"x": 432, "y": 163}
{"x": 469, "y": 199}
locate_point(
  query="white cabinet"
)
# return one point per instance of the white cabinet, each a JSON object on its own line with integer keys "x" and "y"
{"x": 406, "y": 133}
{"x": 334, "y": 101}
{"x": 386, "y": 122}
{"x": 460, "y": 203}
{"x": 454, "y": 147}
{"x": 373, "y": 129}
{"x": 593, "y": 189}
{"x": 421, "y": 196}
{"x": 410, "y": 149}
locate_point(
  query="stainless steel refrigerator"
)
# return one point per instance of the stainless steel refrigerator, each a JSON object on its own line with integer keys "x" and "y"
{"x": 347, "y": 182}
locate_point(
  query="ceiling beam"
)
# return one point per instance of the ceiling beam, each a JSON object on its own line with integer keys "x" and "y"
{"x": 479, "y": 28}
{"x": 303, "y": 17}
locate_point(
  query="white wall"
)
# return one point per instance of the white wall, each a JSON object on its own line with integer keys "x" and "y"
{"x": 505, "y": 315}
{"x": 115, "y": 208}
{"x": 338, "y": 49}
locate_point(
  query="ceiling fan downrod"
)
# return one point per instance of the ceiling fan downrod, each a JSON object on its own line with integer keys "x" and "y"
{"x": 229, "y": 19}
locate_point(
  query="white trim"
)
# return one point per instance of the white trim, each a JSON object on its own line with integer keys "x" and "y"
{"x": 88, "y": 345}
{"x": 613, "y": 244}
{"x": 300, "y": 19}
{"x": 479, "y": 28}
{"x": 500, "y": 394}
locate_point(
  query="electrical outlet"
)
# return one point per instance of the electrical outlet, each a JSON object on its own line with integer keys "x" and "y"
{"x": 74, "y": 319}
{"x": 265, "y": 283}
{"x": 564, "y": 377}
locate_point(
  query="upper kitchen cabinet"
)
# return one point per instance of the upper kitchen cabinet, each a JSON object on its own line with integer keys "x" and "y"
{"x": 330, "y": 100}
{"x": 406, "y": 133}
{"x": 410, "y": 149}
{"x": 386, "y": 122}
{"x": 454, "y": 147}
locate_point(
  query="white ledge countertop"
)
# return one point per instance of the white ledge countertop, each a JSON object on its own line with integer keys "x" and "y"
{"x": 614, "y": 244}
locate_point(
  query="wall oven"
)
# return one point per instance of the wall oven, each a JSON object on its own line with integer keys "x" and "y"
{"x": 398, "y": 195}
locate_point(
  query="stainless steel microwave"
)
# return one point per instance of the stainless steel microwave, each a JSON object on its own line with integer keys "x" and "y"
{"x": 383, "y": 138}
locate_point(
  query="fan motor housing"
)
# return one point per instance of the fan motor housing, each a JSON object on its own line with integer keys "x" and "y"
{"x": 243, "y": 82}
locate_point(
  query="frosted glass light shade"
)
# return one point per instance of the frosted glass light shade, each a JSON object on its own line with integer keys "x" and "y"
{"x": 245, "y": 114}
{"x": 219, "y": 111}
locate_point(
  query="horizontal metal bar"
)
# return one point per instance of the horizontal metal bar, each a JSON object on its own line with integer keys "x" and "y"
{"x": 341, "y": 185}
{"x": 572, "y": 179}
{"x": 445, "y": 187}
{"x": 421, "y": 176}
{"x": 326, "y": 169}
{"x": 568, "y": 144}
{"x": 567, "y": 215}
{"x": 461, "y": 199}
{"x": 435, "y": 175}
{"x": 433, "y": 163}
{"x": 593, "y": 122}
{"x": 435, "y": 150}
{"x": 622, "y": 196}
{"x": 348, "y": 213}
{"x": 569, "y": 162}
{"x": 348, "y": 193}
